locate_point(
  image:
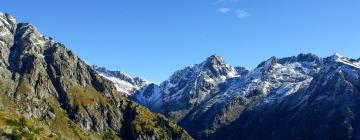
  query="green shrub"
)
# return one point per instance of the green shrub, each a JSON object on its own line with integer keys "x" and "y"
{"x": 22, "y": 130}
{"x": 20, "y": 123}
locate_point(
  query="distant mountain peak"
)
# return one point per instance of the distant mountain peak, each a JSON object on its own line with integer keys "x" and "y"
{"x": 338, "y": 55}
{"x": 7, "y": 19}
{"x": 213, "y": 60}
{"x": 309, "y": 57}
{"x": 340, "y": 59}
{"x": 123, "y": 82}
{"x": 217, "y": 67}
{"x": 268, "y": 63}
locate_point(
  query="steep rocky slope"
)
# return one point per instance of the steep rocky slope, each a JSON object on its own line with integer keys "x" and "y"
{"x": 44, "y": 85}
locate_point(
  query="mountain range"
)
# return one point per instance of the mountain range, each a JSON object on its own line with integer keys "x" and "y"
{"x": 301, "y": 97}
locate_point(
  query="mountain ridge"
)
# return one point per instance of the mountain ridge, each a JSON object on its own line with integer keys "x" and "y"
{"x": 271, "y": 82}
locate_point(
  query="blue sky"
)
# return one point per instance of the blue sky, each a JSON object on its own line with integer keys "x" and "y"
{"x": 154, "y": 38}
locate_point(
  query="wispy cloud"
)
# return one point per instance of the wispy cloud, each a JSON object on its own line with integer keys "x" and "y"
{"x": 224, "y": 10}
{"x": 241, "y": 13}
{"x": 238, "y": 12}
{"x": 229, "y": 7}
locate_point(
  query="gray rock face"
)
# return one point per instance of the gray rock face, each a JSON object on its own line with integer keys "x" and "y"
{"x": 44, "y": 81}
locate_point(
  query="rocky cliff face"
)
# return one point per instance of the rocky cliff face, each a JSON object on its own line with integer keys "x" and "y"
{"x": 52, "y": 88}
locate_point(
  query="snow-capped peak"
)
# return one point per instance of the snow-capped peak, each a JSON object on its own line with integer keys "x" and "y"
{"x": 123, "y": 82}
{"x": 7, "y": 19}
{"x": 216, "y": 67}
{"x": 7, "y": 29}
{"x": 214, "y": 60}
{"x": 191, "y": 85}
{"x": 345, "y": 60}
{"x": 338, "y": 55}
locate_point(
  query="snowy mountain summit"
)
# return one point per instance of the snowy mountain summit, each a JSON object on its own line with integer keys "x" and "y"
{"x": 189, "y": 87}
{"x": 123, "y": 82}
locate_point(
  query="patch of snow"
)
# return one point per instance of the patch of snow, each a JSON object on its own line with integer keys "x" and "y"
{"x": 121, "y": 85}
{"x": 152, "y": 100}
{"x": 232, "y": 73}
{"x": 355, "y": 65}
{"x": 344, "y": 60}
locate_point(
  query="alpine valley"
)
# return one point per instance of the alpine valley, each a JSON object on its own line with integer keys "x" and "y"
{"x": 47, "y": 92}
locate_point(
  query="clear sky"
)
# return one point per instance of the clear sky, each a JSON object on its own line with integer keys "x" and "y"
{"x": 153, "y": 38}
